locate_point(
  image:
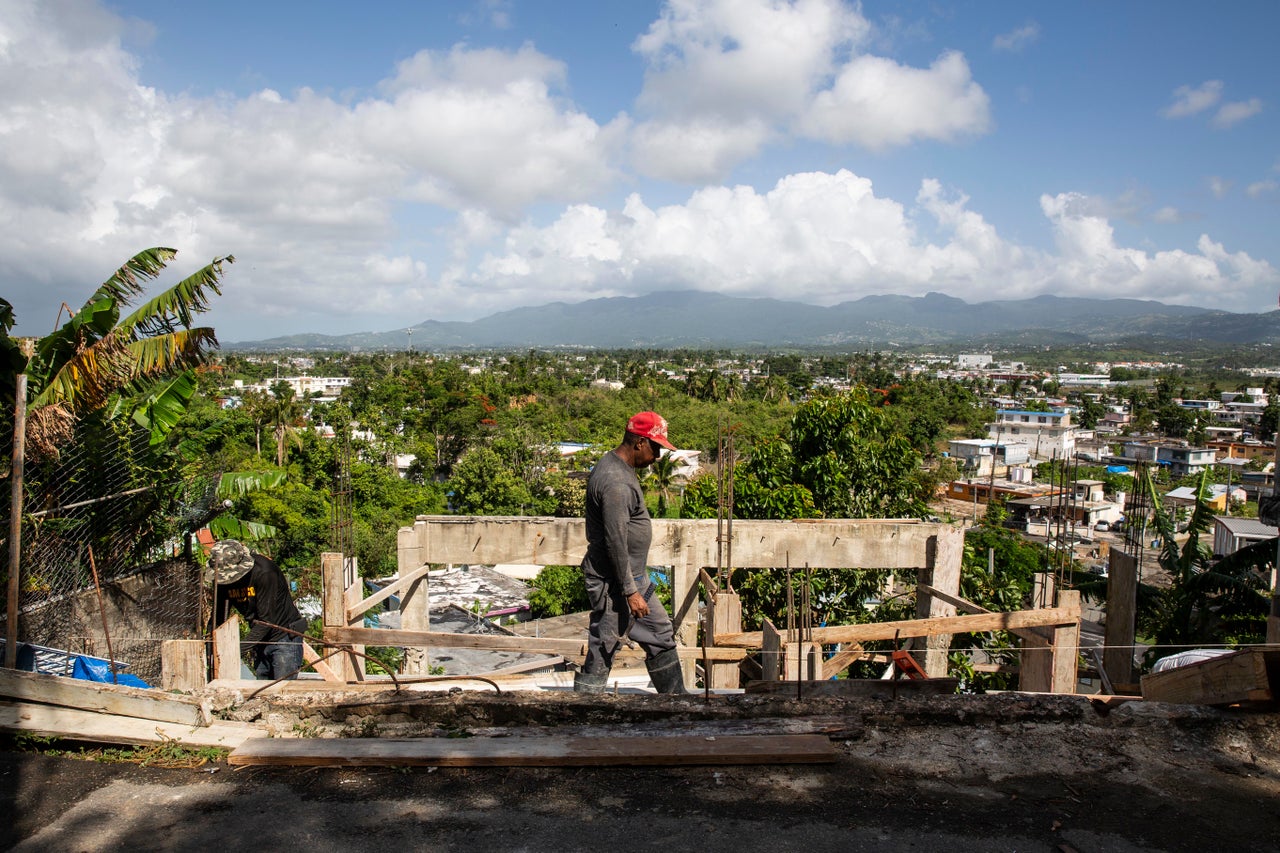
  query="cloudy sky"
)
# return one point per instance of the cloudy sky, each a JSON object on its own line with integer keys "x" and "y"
{"x": 372, "y": 166}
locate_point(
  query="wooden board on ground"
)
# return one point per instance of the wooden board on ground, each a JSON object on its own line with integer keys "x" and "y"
{"x": 1251, "y": 675}
{"x": 74, "y": 724}
{"x": 858, "y": 687}
{"x": 549, "y": 751}
{"x": 98, "y": 697}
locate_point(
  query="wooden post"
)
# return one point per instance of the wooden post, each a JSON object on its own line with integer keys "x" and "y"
{"x": 226, "y": 649}
{"x": 14, "y": 590}
{"x": 685, "y": 572}
{"x": 183, "y": 665}
{"x": 352, "y": 594}
{"x": 1035, "y": 667}
{"x": 334, "y": 605}
{"x": 1050, "y": 655}
{"x": 1122, "y": 599}
{"x": 770, "y": 652}
{"x": 803, "y": 661}
{"x": 942, "y": 570}
{"x": 1066, "y": 645}
{"x": 726, "y": 617}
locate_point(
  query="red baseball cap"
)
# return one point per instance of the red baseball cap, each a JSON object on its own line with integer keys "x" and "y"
{"x": 650, "y": 425}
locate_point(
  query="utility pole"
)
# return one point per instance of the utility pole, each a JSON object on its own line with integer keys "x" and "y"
{"x": 1273, "y": 618}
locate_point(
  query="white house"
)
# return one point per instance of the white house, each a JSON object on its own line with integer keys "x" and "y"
{"x": 1045, "y": 434}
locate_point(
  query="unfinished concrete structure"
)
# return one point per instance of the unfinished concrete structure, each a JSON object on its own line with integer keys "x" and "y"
{"x": 694, "y": 549}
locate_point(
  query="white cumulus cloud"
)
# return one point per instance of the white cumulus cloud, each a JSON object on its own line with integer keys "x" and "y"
{"x": 1236, "y": 112}
{"x": 1189, "y": 100}
{"x": 1017, "y": 39}
{"x": 727, "y": 77}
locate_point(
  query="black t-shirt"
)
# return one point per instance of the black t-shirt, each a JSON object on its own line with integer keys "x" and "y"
{"x": 260, "y": 597}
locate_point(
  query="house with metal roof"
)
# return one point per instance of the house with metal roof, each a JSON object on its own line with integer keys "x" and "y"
{"x": 1230, "y": 534}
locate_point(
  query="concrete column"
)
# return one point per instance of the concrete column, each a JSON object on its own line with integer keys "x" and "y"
{"x": 414, "y": 616}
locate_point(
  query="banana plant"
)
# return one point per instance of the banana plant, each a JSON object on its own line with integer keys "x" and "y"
{"x": 1207, "y": 602}
{"x": 136, "y": 364}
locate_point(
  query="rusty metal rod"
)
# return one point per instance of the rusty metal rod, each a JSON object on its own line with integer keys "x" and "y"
{"x": 102, "y": 610}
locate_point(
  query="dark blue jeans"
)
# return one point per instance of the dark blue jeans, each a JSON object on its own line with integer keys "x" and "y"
{"x": 279, "y": 660}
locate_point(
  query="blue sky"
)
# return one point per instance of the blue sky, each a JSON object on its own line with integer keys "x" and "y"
{"x": 373, "y": 166}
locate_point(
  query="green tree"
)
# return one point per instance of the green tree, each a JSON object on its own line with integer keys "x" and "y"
{"x": 558, "y": 590}
{"x": 1206, "y": 602}
{"x": 482, "y": 485}
{"x": 286, "y": 419}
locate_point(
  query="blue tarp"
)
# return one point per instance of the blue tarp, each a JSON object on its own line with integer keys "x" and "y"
{"x": 1117, "y": 469}
{"x": 96, "y": 669}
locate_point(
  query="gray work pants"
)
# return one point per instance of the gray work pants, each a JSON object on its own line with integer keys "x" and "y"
{"x": 611, "y": 621}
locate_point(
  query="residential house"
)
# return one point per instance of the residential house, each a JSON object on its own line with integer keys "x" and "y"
{"x": 1046, "y": 434}
{"x": 1218, "y": 498}
{"x": 979, "y": 457}
{"x": 1037, "y": 511}
{"x": 1230, "y": 534}
{"x": 1183, "y": 461}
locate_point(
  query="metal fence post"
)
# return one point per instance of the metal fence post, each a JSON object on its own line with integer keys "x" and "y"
{"x": 15, "y": 509}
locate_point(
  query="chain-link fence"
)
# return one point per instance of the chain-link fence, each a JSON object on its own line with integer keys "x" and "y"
{"x": 105, "y": 568}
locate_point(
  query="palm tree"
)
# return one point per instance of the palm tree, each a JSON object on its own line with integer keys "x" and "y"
{"x": 143, "y": 364}
{"x": 661, "y": 479}
{"x": 286, "y": 414}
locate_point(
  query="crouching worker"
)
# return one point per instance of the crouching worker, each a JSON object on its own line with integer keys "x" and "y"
{"x": 258, "y": 590}
{"x": 615, "y": 568}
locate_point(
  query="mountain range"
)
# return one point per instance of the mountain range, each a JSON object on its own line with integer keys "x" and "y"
{"x": 694, "y": 319}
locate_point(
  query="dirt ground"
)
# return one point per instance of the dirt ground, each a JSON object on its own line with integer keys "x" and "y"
{"x": 998, "y": 773}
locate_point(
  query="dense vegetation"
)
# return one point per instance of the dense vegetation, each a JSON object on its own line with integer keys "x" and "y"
{"x": 815, "y": 434}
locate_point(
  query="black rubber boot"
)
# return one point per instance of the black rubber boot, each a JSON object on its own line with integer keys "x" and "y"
{"x": 665, "y": 673}
{"x": 590, "y": 682}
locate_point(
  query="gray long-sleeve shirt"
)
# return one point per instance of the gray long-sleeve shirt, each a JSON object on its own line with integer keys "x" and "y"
{"x": 618, "y": 525}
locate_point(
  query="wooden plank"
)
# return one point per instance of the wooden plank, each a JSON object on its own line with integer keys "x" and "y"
{"x": 821, "y": 543}
{"x": 709, "y": 584}
{"x": 801, "y": 661}
{"x": 112, "y": 699}
{"x": 322, "y": 668}
{"x": 839, "y": 662}
{"x": 771, "y": 652}
{"x": 184, "y": 665}
{"x": 75, "y": 724}
{"x": 350, "y": 596}
{"x": 966, "y": 606}
{"x": 546, "y": 751}
{"x": 493, "y": 642}
{"x": 726, "y": 616}
{"x": 974, "y": 624}
{"x": 874, "y": 688}
{"x": 333, "y": 590}
{"x": 386, "y": 592}
{"x": 1226, "y": 680}
{"x": 1035, "y": 665}
{"x": 226, "y": 648}
{"x": 1066, "y": 645}
{"x": 333, "y": 602}
{"x": 1122, "y": 603}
